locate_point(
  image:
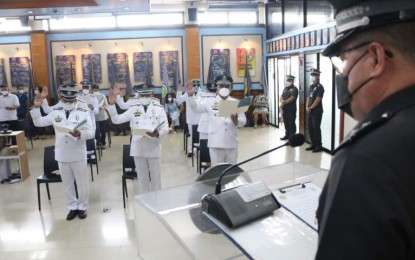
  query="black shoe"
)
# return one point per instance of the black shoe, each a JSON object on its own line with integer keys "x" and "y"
{"x": 284, "y": 138}
{"x": 312, "y": 147}
{"x": 317, "y": 149}
{"x": 189, "y": 154}
{"x": 82, "y": 214}
{"x": 72, "y": 214}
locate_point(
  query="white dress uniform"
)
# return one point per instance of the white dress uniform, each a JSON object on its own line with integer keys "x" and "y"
{"x": 223, "y": 134}
{"x": 145, "y": 150}
{"x": 90, "y": 99}
{"x": 124, "y": 105}
{"x": 70, "y": 152}
{"x": 203, "y": 127}
{"x": 8, "y": 101}
{"x": 192, "y": 116}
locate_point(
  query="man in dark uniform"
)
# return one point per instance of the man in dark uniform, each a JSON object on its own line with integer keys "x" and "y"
{"x": 314, "y": 109}
{"x": 288, "y": 103}
{"x": 367, "y": 207}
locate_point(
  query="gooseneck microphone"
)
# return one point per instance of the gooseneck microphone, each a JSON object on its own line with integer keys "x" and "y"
{"x": 245, "y": 203}
{"x": 294, "y": 141}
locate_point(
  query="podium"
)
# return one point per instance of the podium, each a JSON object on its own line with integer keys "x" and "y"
{"x": 170, "y": 224}
{"x": 19, "y": 152}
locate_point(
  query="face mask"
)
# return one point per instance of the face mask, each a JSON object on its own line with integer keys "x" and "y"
{"x": 169, "y": 99}
{"x": 145, "y": 101}
{"x": 4, "y": 92}
{"x": 68, "y": 106}
{"x": 288, "y": 83}
{"x": 313, "y": 79}
{"x": 21, "y": 91}
{"x": 344, "y": 97}
{"x": 36, "y": 92}
{"x": 224, "y": 92}
{"x": 85, "y": 91}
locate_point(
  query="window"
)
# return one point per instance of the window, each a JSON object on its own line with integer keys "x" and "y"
{"x": 12, "y": 25}
{"x": 243, "y": 18}
{"x": 82, "y": 23}
{"x": 140, "y": 20}
{"x": 209, "y": 18}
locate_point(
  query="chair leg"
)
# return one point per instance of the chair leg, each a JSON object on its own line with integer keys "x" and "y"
{"x": 92, "y": 173}
{"x": 97, "y": 168}
{"x": 47, "y": 188}
{"x": 38, "y": 195}
{"x": 124, "y": 191}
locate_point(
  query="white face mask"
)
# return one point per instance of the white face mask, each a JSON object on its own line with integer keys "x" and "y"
{"x": 313, "y": 78}
{"x": 21, "y": 91}
{"x": 169, "y": 99}
{"x": 4, "y": 92}
{"x": 36, "y": 92}
{"x": 145, "y": 101}
{"x": 224, "y": 92}
{"x": 85, "y": 91}
{"x": 68, "y": 106}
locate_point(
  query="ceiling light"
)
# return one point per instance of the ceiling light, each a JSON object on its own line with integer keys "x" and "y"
{"x": 126, "y": 8}
{"x": 29, "y": 12}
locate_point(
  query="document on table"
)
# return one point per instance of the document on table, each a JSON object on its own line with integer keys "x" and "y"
{"x": 302, "y": 201}
{"x": 229, "y": 107}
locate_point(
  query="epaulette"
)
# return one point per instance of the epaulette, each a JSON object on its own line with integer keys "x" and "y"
{"x": 57, "y": 108}
{"x": 157, "y": 104}
{"x": 80, "y": 100}
{"x": 81, "y": 109}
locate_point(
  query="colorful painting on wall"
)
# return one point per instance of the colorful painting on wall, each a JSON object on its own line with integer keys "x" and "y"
{"x": 91, "y": 68}
{"x": 143, "y": 67}
{"x": 169, "y": 58}
{"x": 117, "y": 67}
{"x": 244, "y": 56}
{"x": 19, "y": 71}
{"x": 65, "y": 69}
{"x": 219, "y": 63}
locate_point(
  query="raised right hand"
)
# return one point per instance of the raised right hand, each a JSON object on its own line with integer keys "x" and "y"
{"x": 44, "y": 93}
{"x": 112, "y": 97}
{"x": 190, "y": 91}
{"x": 38, "y": 101}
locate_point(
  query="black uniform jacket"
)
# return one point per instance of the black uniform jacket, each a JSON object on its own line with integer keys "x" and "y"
{"x": 367, "y": 207}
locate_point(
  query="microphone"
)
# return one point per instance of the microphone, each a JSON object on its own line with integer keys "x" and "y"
{"x": 248, "y": 202}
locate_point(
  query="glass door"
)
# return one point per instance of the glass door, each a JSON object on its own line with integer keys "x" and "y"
{"x": 273, "y": 112}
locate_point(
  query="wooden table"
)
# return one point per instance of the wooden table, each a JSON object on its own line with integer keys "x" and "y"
{"x": 21, "y": 152}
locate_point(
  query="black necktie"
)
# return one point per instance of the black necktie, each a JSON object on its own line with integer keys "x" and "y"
{"x": 145, "y": 109}
{"x": 67, "y": 114}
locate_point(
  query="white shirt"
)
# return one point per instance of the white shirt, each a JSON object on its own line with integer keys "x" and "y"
{"x": 192, "y": 116}
{"x": 102, "y": 103}
{"x": 67, "y": 148}
{"x": 8, "y": 101}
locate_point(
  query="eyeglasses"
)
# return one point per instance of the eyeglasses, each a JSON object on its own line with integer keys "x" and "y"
{"x": 339, "y": 63}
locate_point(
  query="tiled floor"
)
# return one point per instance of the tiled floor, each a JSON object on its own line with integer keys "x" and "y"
{"x": 26, "y": 233}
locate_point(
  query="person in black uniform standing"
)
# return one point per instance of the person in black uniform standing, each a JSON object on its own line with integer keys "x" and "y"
{"x": 367, "y": 206}
{"x": 288, "y": 104}
{"x": 314, "y": 109}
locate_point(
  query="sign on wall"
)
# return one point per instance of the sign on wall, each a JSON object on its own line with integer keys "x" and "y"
{"x": 91, "y": 68}
{"x": 117, "y": 67}
{"x": 3, "y": 78}
{"x": 19, "y": 71}
{"x": 170, "y": 58}
{"x": 244, "y": 56}
{"x": 65, "y": 69}
{"x": 219, "y": 63}
{"x": 143, "y": 67}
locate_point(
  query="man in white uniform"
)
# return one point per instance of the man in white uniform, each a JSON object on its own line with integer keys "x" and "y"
{"x": 70, "y": 146}
{"x": 9, "y": 103}
{"x": 223, "y": 131}
{"x": 90, "y": 100}
{"x": 192, "y": 117}
{"x": 145, "y": 145}
{"x": 102, "y": 116}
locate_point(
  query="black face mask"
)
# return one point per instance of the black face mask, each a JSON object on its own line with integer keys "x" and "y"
{"x": 344, "y": 97}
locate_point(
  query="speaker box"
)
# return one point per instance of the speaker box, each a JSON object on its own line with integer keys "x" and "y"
{"x": 192, "y": 14}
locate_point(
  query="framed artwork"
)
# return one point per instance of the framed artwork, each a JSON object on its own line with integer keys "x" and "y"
{"x": 65, "y": 69}
{"x": 91, "y": 68}
{"x": 117, "y": 67}
{"x": 332, "y": 35}
{"x": 318, "y": 37}
{"x": 302, "y": 40}
{"x": 219, "y": 63}
{"x": 297, "y": 41}
{"x": 143, "y": 67}
{"x": 312, "y": 38}
{"x": 306, "y": 39}
{"x": 325, "y": 36}
{"x": 245, "y": 57}
{"x": 288, "y": 43}
{"x": 169, "y": 58}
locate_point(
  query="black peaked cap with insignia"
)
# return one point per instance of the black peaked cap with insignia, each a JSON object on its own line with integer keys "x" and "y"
{"x": 211, "y": 86}
{"x": 68, "y": 92}
{"x": 314, "y": 71}
{"x": 355, "y": 16}
{"x": 143, "y": 88}
{"x": 196, "y": 82}
{"x": 85, "y": 83}
{"x": 290, "y": 77}
{"x": 224, "y": 80}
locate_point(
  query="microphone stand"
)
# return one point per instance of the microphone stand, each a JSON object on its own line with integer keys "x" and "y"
{"x": 218, "y": 187}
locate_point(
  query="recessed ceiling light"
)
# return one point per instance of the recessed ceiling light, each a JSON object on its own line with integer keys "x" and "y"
{"x": 121, "y": 0}
{"x": 126, "y": 8}
{"x": 29, "y": 12}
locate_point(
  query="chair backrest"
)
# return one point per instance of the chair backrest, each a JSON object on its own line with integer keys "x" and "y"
{"x": 90, "y": 144}
{"x": 127, "y": 159}
{"x": 49, "y": 163}
{"x": 204, "y": 151}
{"x": 195, "y": 134}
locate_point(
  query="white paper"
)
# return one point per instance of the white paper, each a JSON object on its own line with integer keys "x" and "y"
{"x": 229, "y": 107}
{"x": 63, "y": 129}
{"x": 143, "y": 131}
{"x": 302, "y": 201}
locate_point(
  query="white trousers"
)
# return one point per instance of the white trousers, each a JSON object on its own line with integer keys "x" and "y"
{"x": 222, "y": 155}
{"x": 148, "y": 174}
{"x": 75, "y": 171}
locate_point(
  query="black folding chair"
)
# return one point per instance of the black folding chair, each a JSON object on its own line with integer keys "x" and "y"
{"x": 128, "y": 170}
{"x": 203, "y": 156}
{"x": 195, "y": 142}
{"x": 91, "y": 153}
{"x": 50, "y": 166}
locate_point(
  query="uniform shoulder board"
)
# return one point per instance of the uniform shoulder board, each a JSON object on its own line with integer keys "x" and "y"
{"x": 80, "y": 100}
{"x": 81, "y": 109}
{"x": 58, "y": 108}
{"x": 157, "y": 104}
